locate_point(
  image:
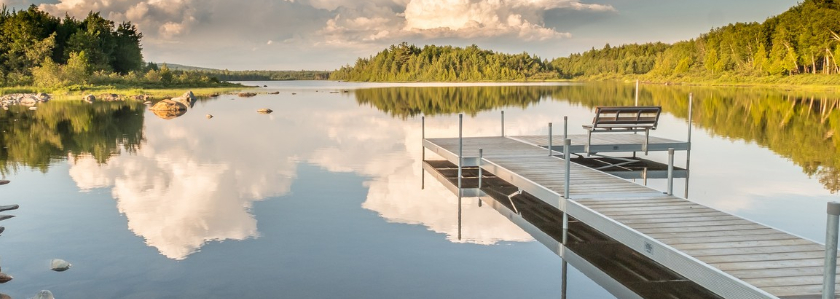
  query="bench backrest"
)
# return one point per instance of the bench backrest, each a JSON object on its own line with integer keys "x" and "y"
{"x": 629, "y": 117}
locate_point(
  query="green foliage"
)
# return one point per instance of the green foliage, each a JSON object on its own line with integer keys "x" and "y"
{"x": 28, "y": 37}
{"x": 803, "y": 40}
{"x": 407, "y": 63}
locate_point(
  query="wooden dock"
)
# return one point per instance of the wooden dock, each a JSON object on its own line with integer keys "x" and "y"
{"x": 728, "y": 255}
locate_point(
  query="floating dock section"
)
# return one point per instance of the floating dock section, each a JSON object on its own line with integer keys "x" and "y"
{"x": 726, "y": 255}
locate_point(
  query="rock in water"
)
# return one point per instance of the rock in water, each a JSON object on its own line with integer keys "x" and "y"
{"x": 59, "y": 265}
{"x": 90, "y": 98}
{"x": 168, "y": 105}
{"x": 209, "y": 116}
{"x": 33, "y": 108}
{"x": 3, "y": 182}
{"x": 44, "y": 295}
{"x": 4, "y": 278}
{"x": 188, "y": 98}
{"x": 265, "y": 111}
{"x": 4, "y": 296}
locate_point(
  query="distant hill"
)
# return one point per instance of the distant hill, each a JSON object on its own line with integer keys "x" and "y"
{"x": 181, "y": 67}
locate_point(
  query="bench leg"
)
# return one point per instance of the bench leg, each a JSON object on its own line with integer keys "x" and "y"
{"x": 588, "y": 142}
{"x": 645, "y": 145}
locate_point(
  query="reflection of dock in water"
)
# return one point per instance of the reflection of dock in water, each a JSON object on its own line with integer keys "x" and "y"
{"x": 658, "y": 243}
{"x": 622, "y": 271}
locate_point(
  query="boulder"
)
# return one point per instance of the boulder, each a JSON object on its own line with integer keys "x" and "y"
{"x": 59, "y": 265}
{"x": 90, "y": 98}
{"x": 168, "y": 109}
{"x": 29, "y": 100}
{"x": 3, "y": 182}
{"x": 188, "y": 99}
{"x": 265, "y": 111}
{"x": 43, "y": 97}
{"x": 44, "y": 295}
{"x": 4, "y": 278}
{"x": 209, "y": 116}
{"x": 111, "y": 97}
{"x": 247, "y": 94}
{"x": 4, "y": 296}
{"x": 168, "y": 105}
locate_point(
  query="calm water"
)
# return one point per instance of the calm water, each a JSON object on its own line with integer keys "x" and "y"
{"x": 322, "y": 198}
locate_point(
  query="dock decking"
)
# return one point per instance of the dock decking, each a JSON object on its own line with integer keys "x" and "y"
{"x": 730, "y": 256}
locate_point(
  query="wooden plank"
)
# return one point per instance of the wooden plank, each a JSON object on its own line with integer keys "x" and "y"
{"x": 694, "y": 240}
{"x": 787, "y": 281}
{"x": 762, "y": 257}
{"x": 769, "y": 264}
{"x": 777, "y": 272}
{"x": 656, "y": 233}
{"x": 757, "y": 251}
{"x": 735, "y": 223}
{"x": 742, "y": 244}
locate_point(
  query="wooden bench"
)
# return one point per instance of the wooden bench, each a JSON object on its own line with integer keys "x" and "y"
{"x": 624, "y": 119}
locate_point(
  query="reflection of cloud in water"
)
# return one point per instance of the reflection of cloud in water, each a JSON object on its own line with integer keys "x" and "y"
{"x": 391, "y": 157}
{"x": 194, "y": 181}
{"x": 179, "y": 193}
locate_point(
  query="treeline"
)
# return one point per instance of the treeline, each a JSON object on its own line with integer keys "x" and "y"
{"x": 803, "y": 40}
{"x": 406, "y": 62}
{"x": 226, "y": 75}
{"x": 32, "y": 38}
{"x": 49, "y": 52}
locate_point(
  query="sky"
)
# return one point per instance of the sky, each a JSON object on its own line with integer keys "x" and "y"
{"x": 327, "y": 34}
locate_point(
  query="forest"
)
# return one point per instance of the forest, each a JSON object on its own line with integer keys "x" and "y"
{"x": 801, "y": 45}
{"x": 38, "y": 49}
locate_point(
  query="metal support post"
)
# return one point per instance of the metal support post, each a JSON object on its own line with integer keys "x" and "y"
{"x": 503, "y": 123}
{"x": 688, "y": 151}
{"x": 480, "y": 171}
{"x": 830, "y": 270}
{"x": 423, "y": 156}
{"x": 550, "y": 133}
{"x": 670, "y": 171}
{"x": 567, "y": 144}
{"x": 565, "y": 127}
{"x": 460, "y": 166}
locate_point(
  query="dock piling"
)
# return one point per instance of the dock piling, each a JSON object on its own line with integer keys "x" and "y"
{"x": 688, "y": 150}
{"x": 565, "y": 127}
{"x": 567, "y": 144}
{"x": 549, "y": 138}
{"x": 503, "y": 123}
{"x": 480, "y": 172}
{"x": 830, "y": 270}
{"x": 423, "y": 155}
{"x": 670, "y": 171}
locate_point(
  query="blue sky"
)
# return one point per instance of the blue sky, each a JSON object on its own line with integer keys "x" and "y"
{"x": 326, "y": 34}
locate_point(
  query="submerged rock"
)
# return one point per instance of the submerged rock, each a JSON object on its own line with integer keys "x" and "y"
{"x": 4, "y": 278}
{"x": 59, "y": 265}
{"x": 247, "y": 94}
{"x": 90, "y": 98}
{"x": 274, "y": 92}
{"x": 44, "y": 295}
{"x": 265, "y": 111}
{"x": 4, "y": 296}
{"x": 3, "y": 182}
{"x": 209, "y": 116}
{"x": 33, "y": 108}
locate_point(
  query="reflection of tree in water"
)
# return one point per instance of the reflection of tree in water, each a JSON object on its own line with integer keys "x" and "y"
{"x": 404, "y": 102}
{"x": 56, "y": 129}
{"x": 801, "y": 126}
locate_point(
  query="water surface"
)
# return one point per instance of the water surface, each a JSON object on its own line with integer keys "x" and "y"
{"x": 322, "y": 198}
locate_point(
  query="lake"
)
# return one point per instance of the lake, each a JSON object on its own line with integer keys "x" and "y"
{"x": 323, "y": 198}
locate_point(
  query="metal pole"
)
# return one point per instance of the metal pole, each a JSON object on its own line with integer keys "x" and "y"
{"x": 549, "y": 138}
{"x": 564, "y": 278}
{"x": 830, "y": 271}
{"x": 568, "y": 157}
{"x": 460, "y": 150}
{"x": 637, "y": 92}
{"x": 480, "y": 174}
{"x": 688, "y": 151}
{"x": 670, "y": 171}
{"x": 460, "y": 166}
{"x": 565, "y": 127}
{"x": 423, "y": 157}
{"x": 503, "y": 123}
